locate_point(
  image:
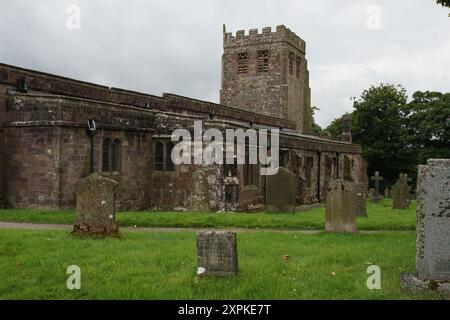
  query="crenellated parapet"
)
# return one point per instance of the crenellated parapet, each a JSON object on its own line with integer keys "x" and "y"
{"x": 281, "y": 34}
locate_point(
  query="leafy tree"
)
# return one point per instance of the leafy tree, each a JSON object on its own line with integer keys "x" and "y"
{"x": 316, "y": 129}
{"x": 429, "y": 125}
{"x": 444, "y": 3}
{"x": 378, "y": 124}
{"x": 335, "y": 128}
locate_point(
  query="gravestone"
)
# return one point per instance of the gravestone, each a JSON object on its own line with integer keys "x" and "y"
{"x": 400, "y": 193}
{"x": 371, "y": 192}
{"x": 95, "y": 207}
{"x": 376, "y": 194}
{"x": 361, "y": 207}
{"x": 217, "y": 253}
{"x": 432, "y": 229}
{"x": 341, "y": 207}
{"x": 199, "y": 198}
{"x": 387, "y": 193}
{"x": 281, "y": 189}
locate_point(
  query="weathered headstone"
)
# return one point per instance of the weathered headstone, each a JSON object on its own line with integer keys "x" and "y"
{"x": 341, "y": 207}
{"x": 281, "y": 191}
{"x": 376, "y": 195}
{"x": 432, "y": 229}
{"x": 217, "y": 253}
{"x": 400, "y": 193}
{"x": 95, "y": 207}
{"x": 199, "y": 198}
{"x": 361, "y": 207}
{"x": 371, "y": 192}
{"x": 387, "y": 193}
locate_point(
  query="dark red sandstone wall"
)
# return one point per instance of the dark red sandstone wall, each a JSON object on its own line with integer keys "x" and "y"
{"x": 45, "y": 151}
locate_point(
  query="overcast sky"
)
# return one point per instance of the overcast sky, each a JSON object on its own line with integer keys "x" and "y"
{"x": 175, "y": 46}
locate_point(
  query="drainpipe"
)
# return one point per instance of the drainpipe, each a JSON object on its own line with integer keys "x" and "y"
{"x": 90, "y": 132}
{"x": 319, "y": 155}
{"x": 338, "y": 156}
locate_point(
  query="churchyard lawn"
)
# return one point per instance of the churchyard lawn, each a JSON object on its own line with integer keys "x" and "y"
{"x": 381, "y": 217}
{"x": 161, "y": 265}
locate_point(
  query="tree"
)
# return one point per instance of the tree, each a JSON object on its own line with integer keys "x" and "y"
{"x": 379, "y": 126}
{"x": 316, "y": 129}
{"x": 335, "y": 128}
{"x": 444, "y": 3}
{"x": 429, "y": 125}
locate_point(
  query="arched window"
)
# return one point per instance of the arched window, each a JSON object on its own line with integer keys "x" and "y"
{"x": 105, "y": 155}
{"x": 159, "y": 156}
{"x": 115, "y": 155}
{"x": 169, "y": 163}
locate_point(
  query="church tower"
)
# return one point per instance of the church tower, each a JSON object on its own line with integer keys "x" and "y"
{"x": 267, "y": 73}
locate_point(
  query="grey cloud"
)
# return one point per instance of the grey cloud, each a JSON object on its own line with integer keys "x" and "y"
{"x": 176, "y": 46}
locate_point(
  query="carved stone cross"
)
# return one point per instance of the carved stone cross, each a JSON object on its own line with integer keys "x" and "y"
{"x": 377, "y": 178}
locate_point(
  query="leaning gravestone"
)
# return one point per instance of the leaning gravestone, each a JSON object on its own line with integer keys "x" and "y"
{"x": 432, "y": 230}
{"x": 96, "y": 207}
{"x": 341, "y": 207}
{"x": 199, "y": 198}
{"x": 281, "y": 191}
{"x": 217, "y": 253}
{"x": 400, "y": 193}
{"x": 361, "y": 207}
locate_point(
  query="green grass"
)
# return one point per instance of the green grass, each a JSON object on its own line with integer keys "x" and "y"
{"x": 381, "y": 217}
{"x": 152, "y": 265}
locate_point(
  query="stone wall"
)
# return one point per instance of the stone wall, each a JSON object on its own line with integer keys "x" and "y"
{"x": 46, "y": 151}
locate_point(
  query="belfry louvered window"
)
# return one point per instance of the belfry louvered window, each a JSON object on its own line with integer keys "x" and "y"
{"x": 242, "y": 62}
{"x": 291, "y": 63}
{"x": 263, "y": 61}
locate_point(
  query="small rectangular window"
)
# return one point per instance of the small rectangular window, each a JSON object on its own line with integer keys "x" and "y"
{"x": 242, "y": 62}
{"x": 291, "y": 63}
{"x": 263, "y": 61}
{"x": 159, "y": 156}
{"x": 298, "y": 62}
{"x": 170, "y": 166}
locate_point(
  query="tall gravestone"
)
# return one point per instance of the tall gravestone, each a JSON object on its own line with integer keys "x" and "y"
{"x": 341, "y": 207}
{"x": 361, "y": 206}
{"x": 432, "y": 229}
{"x": 281, "y": 191}
{"x": 217, "y": 253}
{"x": 387, "y": 193}
{"x": 199, "y": 198}
{"x": 400, "y": 193}
{"x": 376, "y": 190}
{"x": 95, "y": 207}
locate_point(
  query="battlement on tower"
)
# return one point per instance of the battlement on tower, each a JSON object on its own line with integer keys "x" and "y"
{"x": 281, "y": 34}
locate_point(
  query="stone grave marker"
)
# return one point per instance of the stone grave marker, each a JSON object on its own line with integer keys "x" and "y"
{"x": 217, "y": 253}
{"x": 281, "y": 189}
{"x": 361, "y": 206}
{"x": 341, "y": 207}
{"x": 432, "y": 230}
{"x": 376, "y": 194}
{"x": 95, "y": 208}
{"x": 387, "y": 192}
{"x": 400, "y": 193}
{"x": 199, "y": 198}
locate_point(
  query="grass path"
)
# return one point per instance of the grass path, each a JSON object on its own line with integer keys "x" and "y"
{"x": 381, "y": 217}
{"x": 42, "y": 226}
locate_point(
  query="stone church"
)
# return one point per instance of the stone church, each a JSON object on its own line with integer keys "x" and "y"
{"x": 56, "y": 130}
